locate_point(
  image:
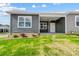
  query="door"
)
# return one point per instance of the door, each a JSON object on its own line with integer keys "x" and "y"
{"x": 52, "y": 27}
{"x": 43, "y": 26}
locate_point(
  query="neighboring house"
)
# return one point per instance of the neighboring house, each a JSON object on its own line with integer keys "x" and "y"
{"x": 54, "y": 22}
{"x": 4, "y": 28}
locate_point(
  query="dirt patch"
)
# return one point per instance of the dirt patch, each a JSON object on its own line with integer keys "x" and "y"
{"x": 65, "y": 48}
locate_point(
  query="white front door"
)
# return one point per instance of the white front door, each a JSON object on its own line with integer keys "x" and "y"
{"x": 52, "y": 27}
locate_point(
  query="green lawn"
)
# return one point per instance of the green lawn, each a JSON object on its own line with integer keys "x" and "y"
{"x": 44, "y": 45}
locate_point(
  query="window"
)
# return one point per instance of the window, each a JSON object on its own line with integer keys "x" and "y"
{"x": 25, "y": 21}
{"x": 21, "y": 22}
{"x": 77, "y": 21}
{"x": 43, "y": 26}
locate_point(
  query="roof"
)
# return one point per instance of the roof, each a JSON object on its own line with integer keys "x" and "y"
{"x": 15, "y": 11}
{"x": 73, "y": 12}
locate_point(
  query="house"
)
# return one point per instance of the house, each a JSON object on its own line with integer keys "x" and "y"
{"x": 4, "y": 28}
{"x": 52, "y": 22}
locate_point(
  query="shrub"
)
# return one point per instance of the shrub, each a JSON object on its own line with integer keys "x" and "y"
{"x": 15, "y": 36}
{"x": 34, "y": 35}
{"x": 38, "y": 34}
{"x": 23, "y": 35}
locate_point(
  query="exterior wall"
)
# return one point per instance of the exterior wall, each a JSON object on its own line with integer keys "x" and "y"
{"x": 60, "y": 25}
{"x": 15, "y": 29}
{"x": 71, "y": 23}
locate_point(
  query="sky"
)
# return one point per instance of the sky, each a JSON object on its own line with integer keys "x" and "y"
{"x": 34, "y": 7}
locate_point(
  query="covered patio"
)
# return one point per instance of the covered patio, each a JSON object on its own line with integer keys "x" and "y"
{"x": 52, "y": 24}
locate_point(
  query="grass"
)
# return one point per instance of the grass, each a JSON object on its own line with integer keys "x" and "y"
{"x": 44, "y": 45}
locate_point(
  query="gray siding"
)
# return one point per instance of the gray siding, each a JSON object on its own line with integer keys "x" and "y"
{"x": 15, "y": 29}
{"x": 71, "y": 23}
{"x": 60, "y": 25}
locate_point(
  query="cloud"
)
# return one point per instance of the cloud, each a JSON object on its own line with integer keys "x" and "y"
{"x": 33, "y": 6}
{"x": 3, "y": 9}
{"x": 57, "y": 3}
{"x": 6, "y": 6}
{"x": 39, "y": 6}
{"x": 76, "y": 10}
{"x": 43, "y": 5}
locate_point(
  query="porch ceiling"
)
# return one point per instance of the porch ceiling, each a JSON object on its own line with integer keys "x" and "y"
{"x": 49, "y": 18}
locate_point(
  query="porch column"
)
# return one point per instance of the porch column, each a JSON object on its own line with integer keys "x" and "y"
{"x": 39, "y": 24}
{"x": 48, "y": 26}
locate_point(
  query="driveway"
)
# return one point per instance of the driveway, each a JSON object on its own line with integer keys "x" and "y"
{"x": 4, "y": 34}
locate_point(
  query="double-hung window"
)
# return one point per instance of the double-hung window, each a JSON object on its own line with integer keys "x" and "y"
{"x": 77, "y": 21}
{"x": 24, "y": 21}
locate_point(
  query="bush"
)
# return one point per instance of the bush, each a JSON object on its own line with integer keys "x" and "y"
{"x": 23, "y": 35}
{"x": 34, "y": 35}
{"x": 15, "y": 36}
{"x": 77, "y": 34}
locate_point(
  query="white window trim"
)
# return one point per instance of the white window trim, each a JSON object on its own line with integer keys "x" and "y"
{"x": 76, "y": 20}
{"x": 24, "y": 22}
